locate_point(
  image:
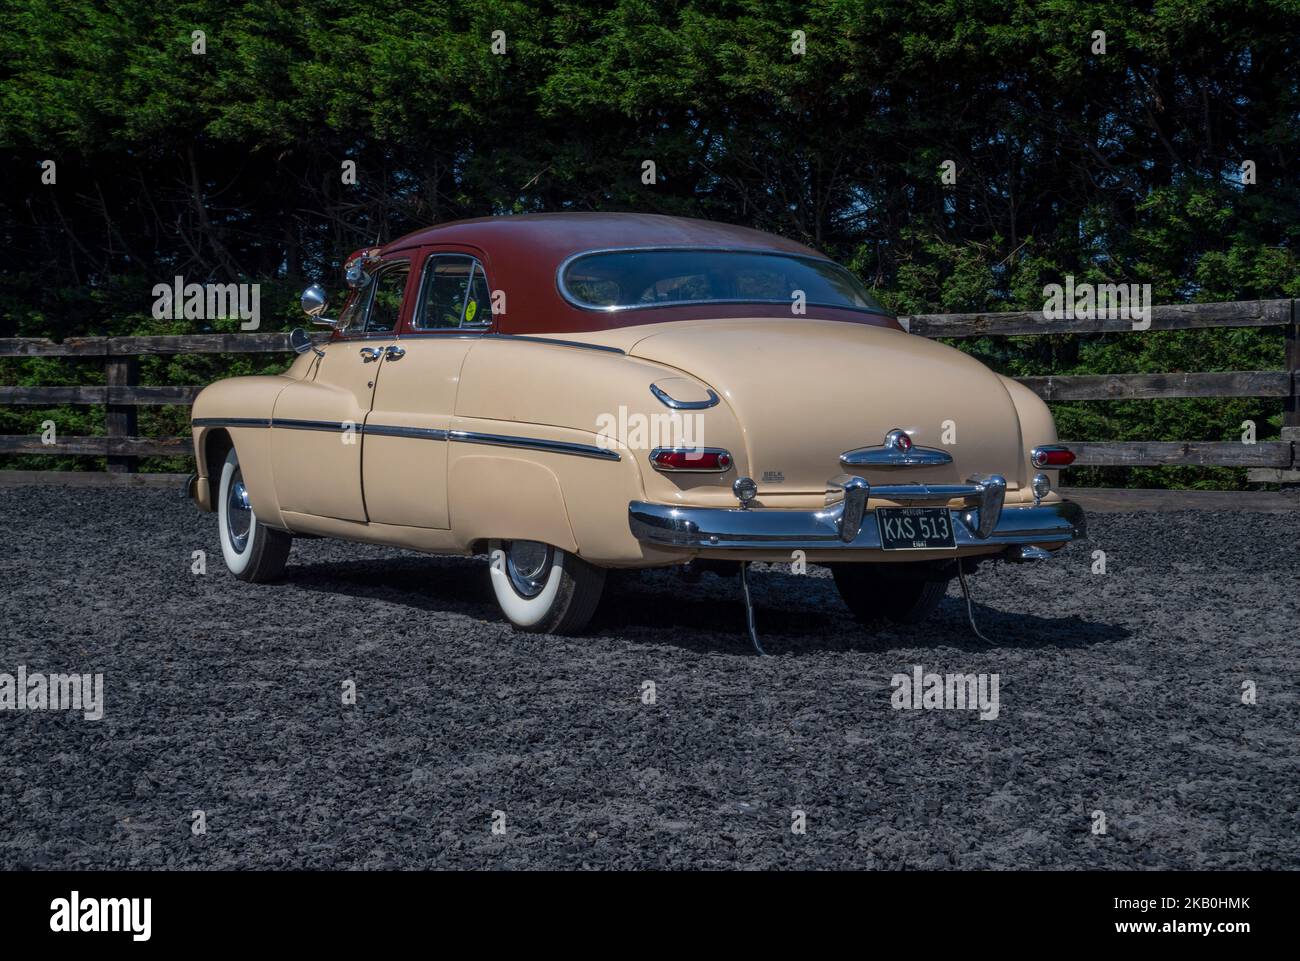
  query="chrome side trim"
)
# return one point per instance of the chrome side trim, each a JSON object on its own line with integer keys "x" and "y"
{"x": 445, "y": 333}
{"x": 418, "y": 433}
{"x": 669, "y": 401}
{"x": 289, "y": 423}
{"x": 557, "y": 343}
{"x": 380, "y": 430}
{"x": 359, "y": 337}
{"x": 483, "y": 332}
{"x": 231, "y": 422}
{"x": 772, "y": 529}
{"x": 533, "y": 443}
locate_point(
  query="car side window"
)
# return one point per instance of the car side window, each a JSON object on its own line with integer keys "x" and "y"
{"x": 454, "y": 294}
{"x": 386, "y": 301}
{"x": 478, "y": 306}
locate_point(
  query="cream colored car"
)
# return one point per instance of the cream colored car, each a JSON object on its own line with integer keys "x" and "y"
{"x": 570, "y": 393}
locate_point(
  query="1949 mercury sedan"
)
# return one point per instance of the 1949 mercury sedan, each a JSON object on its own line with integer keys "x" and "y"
{"x": 575, "y": 392}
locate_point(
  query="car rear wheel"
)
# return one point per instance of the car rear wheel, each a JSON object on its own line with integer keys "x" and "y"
{"x": 902, "y": 593}
{"x": 542, "y": 589}
{"x": 252, "y": 551}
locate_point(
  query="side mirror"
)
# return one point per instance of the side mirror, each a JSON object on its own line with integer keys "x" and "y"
{"x": 314, "y": 302}
{"x": 300, "y": 341}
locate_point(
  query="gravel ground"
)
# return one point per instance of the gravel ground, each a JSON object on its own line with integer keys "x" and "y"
{"x": 1119, "y": 693}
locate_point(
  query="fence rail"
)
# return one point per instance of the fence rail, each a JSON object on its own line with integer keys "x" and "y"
{"x": 1275, "y": 460}
{"x": 137, "y": 346}
{"x": 1239, "y": 313}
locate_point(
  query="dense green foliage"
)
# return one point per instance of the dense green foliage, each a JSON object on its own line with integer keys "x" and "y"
{"x": 1115, "y": 167}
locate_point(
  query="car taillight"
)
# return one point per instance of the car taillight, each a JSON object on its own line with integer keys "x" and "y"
{"x": 697, "y": 459}
{"x": 1052, "y": 456}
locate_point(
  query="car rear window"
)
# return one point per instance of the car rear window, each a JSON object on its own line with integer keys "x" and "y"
{"x": 628, "y": 279}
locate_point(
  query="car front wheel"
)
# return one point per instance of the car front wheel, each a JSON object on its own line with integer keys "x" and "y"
{"x": 902, "y": 593}
{"x": 542, "y": 589}
{"x": 252, "y": 551}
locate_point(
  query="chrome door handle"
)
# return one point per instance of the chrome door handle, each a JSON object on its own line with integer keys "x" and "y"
{"x": 393, "y": 352}
{"x": 370, "y": 353}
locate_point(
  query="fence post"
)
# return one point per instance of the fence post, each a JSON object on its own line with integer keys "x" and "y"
{"x": 1291, "y": 409}
{"x": 120, "y": 419}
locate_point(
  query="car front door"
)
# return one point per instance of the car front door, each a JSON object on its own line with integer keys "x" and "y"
{"x": 404, "y": 464}
{"x": 318, "y": 425}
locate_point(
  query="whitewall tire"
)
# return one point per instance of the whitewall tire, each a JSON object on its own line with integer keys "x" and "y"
{"x": 542, "y": 589}
{"x": 252, "y": 551}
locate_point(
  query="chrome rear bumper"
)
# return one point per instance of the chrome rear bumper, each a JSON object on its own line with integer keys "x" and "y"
{"x": 772, "y": 529}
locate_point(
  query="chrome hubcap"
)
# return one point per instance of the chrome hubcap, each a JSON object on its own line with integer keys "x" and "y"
{"x": 528, "y": 564}
{"x": 239, "y": 514}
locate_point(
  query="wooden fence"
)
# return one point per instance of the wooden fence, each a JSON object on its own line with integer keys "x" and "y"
{"x": 1270, "y": 460}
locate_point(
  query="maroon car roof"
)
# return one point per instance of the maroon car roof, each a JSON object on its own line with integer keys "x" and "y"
{"x": 522, "y": 253}
{"x": 561, "y": 234}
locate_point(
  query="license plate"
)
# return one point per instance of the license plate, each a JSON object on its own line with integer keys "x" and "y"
{"x": 915, "y": 528}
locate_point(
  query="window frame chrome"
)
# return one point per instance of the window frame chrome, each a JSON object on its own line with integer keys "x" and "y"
{"x": 369, "y": 291}
{"x": 472, "y": 328}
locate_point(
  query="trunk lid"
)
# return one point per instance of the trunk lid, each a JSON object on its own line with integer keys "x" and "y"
{"x": 805, "y": 391}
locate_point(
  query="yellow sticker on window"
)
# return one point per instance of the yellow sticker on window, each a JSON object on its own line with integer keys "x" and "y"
{"x": 471, "y": 309}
